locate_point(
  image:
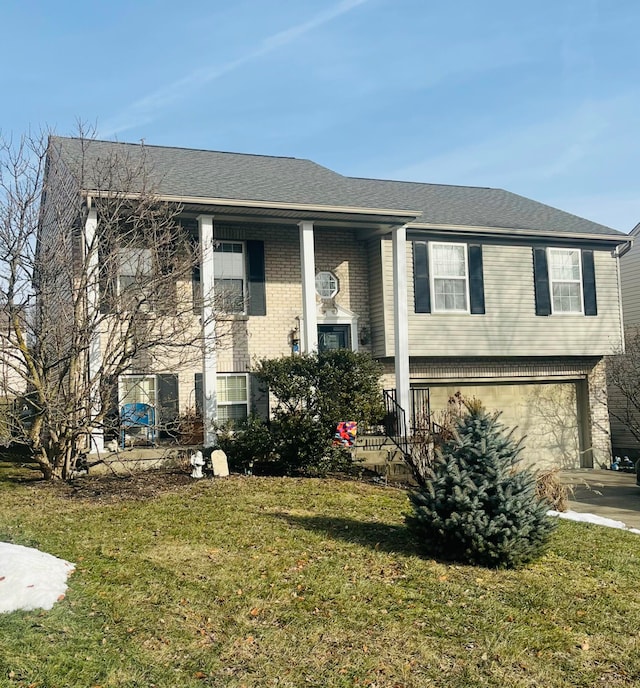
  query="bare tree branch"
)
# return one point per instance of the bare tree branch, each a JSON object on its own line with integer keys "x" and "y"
{"x": 95, "y": 282}
{"x": 623, "y": 373}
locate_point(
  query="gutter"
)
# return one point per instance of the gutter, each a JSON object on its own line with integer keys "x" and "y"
{"x": 619, "y": 252}
{"x": 505, "y": 231}
{"x": 307, "y": 207}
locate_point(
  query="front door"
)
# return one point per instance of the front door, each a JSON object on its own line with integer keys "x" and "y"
{"x": 332, "y": 337}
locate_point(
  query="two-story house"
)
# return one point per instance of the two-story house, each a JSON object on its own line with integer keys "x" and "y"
{"x": 452, "y": 288}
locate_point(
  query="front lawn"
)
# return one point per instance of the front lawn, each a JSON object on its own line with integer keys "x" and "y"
{"x": 300, "y": 582}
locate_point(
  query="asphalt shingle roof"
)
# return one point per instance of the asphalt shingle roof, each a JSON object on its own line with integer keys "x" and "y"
{"x": 211, "y": 174}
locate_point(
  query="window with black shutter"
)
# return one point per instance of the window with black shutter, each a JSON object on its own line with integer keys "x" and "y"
{"x": 448, "y": 278}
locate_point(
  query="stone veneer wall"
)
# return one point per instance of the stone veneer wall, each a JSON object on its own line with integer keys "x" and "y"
{"x": 599, "y": 414}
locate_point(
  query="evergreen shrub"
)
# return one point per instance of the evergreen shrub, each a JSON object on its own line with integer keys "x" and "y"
{"x": 313, "y": 392}
{"x": 477, "y": 505}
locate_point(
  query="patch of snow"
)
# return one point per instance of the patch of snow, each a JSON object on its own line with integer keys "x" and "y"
{"x": 30, "y": 579}
{"x": 592, "y": 518}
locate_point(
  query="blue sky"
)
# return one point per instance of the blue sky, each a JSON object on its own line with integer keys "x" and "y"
{"x": 541, "y": 97}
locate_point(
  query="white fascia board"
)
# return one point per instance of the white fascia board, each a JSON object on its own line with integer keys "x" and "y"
{"x": 307, "y": 207}
{"x": 506, "y": 231}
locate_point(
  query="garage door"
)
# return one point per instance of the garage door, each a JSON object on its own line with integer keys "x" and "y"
{"x": 547, "y": 414}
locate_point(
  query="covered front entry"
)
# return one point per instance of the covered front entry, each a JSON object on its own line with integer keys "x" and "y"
{"x": 548, "y": 415}
{"x": 332, "y": 337}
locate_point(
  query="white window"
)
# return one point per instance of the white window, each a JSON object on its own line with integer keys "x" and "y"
{"x": 138, "y": 389}
{"x": 449, "y": 277}
{"x": 138, "y": 396}
{"x": 326, "y": 285}
{"x": 565, "y": 280}
{"x": 135, "y": 268}
{"x": 229, "y": 276}
{"x": 233, "y": 397}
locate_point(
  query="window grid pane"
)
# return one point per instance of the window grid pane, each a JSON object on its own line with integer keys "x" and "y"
{"x": 565, "y": 265}
{"x": 451, "y": 294}
{"x": 229, "y": 295}
{"x": 566, "y": 297}
{"x": 232, "y": 412}
{"x": 326, "y": 284}
{"x": 448, "y": 261}
{"x": 232, "y": 397}
{"x": 138, "y": 390}
{"x": 231, "y": 388}
{"x": 135, "y": 261}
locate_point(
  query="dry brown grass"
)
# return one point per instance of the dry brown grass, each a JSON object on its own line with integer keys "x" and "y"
{"x": 550, "y": 487}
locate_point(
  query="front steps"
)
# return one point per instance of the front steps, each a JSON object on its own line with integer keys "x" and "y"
{"x": 379, "y": 455}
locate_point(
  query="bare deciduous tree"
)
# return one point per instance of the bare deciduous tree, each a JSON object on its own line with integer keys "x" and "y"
{"x": 95, "y": 282}
{"x": 623, "y": 377}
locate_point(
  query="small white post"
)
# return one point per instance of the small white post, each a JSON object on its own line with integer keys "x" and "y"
{"x": 209, "y": 356}
{"x": 401, "y": 317}
{"x": 309, "y": 313}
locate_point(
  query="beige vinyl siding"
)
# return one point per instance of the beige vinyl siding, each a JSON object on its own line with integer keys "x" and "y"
{"x": 386, "y": 254}
{"x": 630, "y": 284}
{"x": 510, "y": 326}
{"x": 376, "y": 297}
{"x": 622, "y": 438}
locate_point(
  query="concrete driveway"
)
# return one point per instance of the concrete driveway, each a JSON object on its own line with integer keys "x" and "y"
{"x": 611, "y": 494}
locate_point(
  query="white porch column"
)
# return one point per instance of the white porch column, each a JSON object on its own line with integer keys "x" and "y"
{"x": 209, "y": 359}
{"x": 309, "y": 335}
{"x": 93, "y": 306}
{"x": 401, "y": 317}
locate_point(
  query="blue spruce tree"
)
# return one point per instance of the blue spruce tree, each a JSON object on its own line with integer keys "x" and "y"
{"x": 477, "y": 505}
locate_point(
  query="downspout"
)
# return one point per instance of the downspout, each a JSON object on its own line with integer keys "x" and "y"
{"x": 617, "y": 253}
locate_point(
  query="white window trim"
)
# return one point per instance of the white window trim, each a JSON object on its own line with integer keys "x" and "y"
{"x": 432, "y": 278}
{"x": 550, "y": 251}
{"x": 334, "y": 316}
{"x": 335, "y": 279}
{"x": 245, "y": 286}
{"x": 221, "y": 404}
{"x": 138, "y": 376}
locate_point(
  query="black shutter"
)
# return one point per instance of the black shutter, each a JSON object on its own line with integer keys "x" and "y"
{"x": 199, "y": 393}
{"x": 421, "y": 288}
{"x": 259, "y": 398}
{"x": 112, "y": 416}
{"x": 167, "y": 411}
{"x": 108, "y": 275}
{"x": 541, "y": 282}
{"x": 196, "y": 281}
{"x": 589, "y": 284}
{"x": 196, "y": 289}
{"x": 476, "y": 280}
{"x": 257, "y": 303}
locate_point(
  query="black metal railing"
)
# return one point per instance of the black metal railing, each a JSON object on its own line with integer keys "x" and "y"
{"x": 420, "y": 409}
{"x": 395, "y": 422}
